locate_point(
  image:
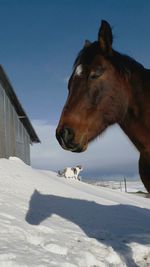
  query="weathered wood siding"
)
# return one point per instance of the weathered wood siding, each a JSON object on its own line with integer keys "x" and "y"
{"x": 14, "y": 139}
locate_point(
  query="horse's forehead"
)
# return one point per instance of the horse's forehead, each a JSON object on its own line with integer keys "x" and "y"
{"x": 79, "y": 70}
{"x": 98, "y": 60}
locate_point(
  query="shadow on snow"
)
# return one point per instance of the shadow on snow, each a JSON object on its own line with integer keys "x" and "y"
{"x": 122, "y": 224}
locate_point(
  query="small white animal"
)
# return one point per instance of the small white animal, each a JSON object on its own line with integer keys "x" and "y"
{"x": 71, "y": 172}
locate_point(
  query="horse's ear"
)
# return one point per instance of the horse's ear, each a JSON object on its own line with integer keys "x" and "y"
{"x": 105, "y": 37}
{"x": 87, "y": 43}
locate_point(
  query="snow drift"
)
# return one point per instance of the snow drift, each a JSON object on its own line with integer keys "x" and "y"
{"x": 46, "y": 220}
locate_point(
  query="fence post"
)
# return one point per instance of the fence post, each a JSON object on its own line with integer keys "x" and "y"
{"x": 120, "y": 186}
{"x": 125, "y": 184}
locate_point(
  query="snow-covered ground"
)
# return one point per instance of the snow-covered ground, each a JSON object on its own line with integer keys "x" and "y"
{"x": 46, "y": 220}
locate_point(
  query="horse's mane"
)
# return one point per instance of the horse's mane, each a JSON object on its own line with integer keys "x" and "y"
{"x": 86, "y": 55}
{"x": 124, "y": 64}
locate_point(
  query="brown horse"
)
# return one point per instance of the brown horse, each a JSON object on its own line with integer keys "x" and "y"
{"x": 107, "y": 87}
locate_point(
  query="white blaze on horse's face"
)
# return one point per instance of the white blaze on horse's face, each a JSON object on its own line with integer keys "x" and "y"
{"x": 78, "y": 70}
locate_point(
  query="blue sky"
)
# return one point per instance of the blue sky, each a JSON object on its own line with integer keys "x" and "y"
{"x": 40, "y": 40}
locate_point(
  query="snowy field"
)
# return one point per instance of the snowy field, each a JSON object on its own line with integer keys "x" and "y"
{"x": 130, "y": 187}
{"x": 46, "y": 220}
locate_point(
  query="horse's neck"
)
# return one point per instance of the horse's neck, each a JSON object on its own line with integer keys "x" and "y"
{"x": 137, "y": 123}
{"x": 138, "y": 134}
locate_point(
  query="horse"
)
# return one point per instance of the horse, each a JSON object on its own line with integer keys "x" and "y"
{"x": 105, "y": 88}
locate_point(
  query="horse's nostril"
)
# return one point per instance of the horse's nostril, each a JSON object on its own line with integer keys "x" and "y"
{"x": 67, "y": 134}
{"x": 66, "y": 138}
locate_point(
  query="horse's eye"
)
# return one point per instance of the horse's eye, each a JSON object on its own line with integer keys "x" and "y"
{"x": 93, "y": 76}
{"x": 96, "y": 74}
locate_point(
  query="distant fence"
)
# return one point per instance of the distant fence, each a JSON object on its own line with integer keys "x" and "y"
{"x": 117, "y": 185}
{"x": 122, "y": 184}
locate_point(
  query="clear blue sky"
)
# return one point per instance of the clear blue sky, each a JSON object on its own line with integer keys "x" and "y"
{"x": 39, "y": 40}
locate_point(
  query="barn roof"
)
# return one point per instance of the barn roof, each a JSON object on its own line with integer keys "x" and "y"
{"x": 17, "y": 105}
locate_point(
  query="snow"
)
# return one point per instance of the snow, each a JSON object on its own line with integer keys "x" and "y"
{"x": 136, "y": 186}
{"x": 131, "y": 186}
{"x": 46, "y": 220}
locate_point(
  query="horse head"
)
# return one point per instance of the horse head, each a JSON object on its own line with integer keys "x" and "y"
{"x": 98, "y": 94}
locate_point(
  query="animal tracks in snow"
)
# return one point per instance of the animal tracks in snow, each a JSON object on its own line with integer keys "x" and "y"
{"x": 56, "y": 249}
{"x": 10, "y": 217}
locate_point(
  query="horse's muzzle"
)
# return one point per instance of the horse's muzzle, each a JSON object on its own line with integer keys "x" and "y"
{"x": 65, "y": 137}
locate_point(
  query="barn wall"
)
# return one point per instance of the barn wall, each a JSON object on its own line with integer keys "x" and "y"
{"x": 2, "y": 124}
{"x": 14, "y": 139}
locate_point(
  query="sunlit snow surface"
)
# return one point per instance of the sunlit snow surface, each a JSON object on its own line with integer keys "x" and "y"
{"x": 46, "y": 220}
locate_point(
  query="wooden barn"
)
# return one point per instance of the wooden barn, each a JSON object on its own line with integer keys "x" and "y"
{"x": 16, "y": 130}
